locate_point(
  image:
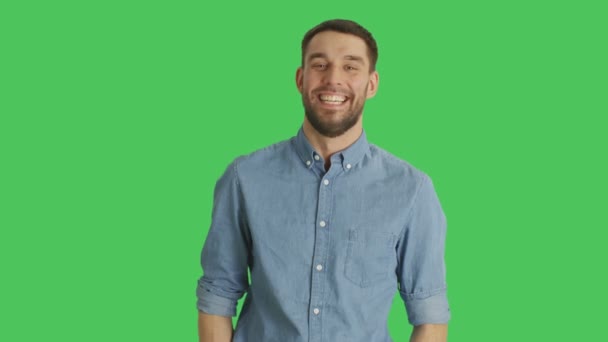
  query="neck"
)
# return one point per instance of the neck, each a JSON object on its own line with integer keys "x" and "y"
{"x": 326, "y": 146}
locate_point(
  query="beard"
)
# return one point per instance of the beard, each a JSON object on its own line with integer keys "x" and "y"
{"x": 329, "y": 127}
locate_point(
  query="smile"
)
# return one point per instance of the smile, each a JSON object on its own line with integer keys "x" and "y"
{"x": 332, "y": 99}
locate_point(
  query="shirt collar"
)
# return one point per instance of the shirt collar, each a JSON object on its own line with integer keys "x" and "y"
{"x": 350, "y": 156}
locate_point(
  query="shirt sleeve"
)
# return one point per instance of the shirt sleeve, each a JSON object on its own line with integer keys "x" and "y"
{"x": 421, "y": 270}
{"x": 225, "y": 254}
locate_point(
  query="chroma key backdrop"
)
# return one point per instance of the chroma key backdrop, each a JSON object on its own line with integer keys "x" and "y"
{"x": 118, "y": 117}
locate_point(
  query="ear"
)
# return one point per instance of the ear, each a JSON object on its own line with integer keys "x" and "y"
{"x": 372, "y": 87}
{"x": 300, "y": 79}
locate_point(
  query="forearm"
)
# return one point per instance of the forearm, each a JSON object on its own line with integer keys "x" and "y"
{"x": 212, "y": 328}
{"x": 430, "y": 333}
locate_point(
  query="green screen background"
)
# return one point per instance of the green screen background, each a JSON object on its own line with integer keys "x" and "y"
{"x": 118, "y": 117}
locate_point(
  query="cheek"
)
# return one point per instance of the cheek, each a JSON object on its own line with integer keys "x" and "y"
{"x": 360, "y": 87}
{"x": 311, "y": 81}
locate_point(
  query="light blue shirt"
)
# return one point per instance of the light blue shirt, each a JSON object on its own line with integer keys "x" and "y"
{"x": 326, "y": 250}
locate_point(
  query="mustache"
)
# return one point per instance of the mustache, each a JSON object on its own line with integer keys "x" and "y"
{"x": 330, "y": 89}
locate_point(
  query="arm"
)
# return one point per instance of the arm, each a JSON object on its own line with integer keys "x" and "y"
{"x": 421, "y": 270}
{"x": 224, "y": 258}
{"x": 430, "y": 333}
{"x": 212, "y": 328}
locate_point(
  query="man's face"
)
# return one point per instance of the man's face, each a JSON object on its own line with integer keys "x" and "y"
{"x": 335, "y": 81}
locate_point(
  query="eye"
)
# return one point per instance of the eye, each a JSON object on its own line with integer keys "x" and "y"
{"x": 350, "y": 68}
{"x": 319, "y": 66}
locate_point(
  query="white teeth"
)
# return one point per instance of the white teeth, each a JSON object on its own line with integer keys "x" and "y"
{"x": 332, "y": 98}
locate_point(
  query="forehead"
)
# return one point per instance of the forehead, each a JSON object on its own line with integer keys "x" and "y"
{"x": 337, "y": 45}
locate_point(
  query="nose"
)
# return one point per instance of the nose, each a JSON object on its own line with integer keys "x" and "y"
{"x": 333, "y": 76}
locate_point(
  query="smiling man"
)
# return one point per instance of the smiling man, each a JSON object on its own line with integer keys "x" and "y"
{"x": 329, "y": 226}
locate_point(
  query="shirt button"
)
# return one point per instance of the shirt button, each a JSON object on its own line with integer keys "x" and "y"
{"x": 319, "y": 267}
{"x": 317, "y": 157}
{"x": 308, "y": 162}
{"x": 316, "y": 311}
{"x": 322, "y": 223}
{"x": 326, "y": 182}
{"x": 348, "y": 166}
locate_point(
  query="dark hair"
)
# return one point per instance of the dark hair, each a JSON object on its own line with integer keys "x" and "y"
{"x": 348, "y": 27}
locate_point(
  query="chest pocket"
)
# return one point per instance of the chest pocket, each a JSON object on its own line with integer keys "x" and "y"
{"x": 370, "y": 257}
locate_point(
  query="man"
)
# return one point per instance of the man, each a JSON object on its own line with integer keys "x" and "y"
{"x": 328, "y": 225}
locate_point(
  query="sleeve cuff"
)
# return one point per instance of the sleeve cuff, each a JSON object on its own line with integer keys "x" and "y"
{"x": 212, "y": 304}
{"x": 432, "y": 309}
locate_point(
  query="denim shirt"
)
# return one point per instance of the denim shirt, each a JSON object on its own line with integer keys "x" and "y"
{"x": 321, "y": 254}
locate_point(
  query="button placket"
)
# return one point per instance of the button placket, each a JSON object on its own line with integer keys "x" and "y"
{"x": 323, "y": 226}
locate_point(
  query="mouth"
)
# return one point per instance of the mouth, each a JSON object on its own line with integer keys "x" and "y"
{"x": 332, "y": 99}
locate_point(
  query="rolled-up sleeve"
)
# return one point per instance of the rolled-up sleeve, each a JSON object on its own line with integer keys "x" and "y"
{"x": 225, "y": 254}
{"x": 421, "y": 271}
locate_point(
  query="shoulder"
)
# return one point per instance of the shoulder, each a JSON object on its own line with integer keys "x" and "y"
{"x": 266, "y": 158}
{"x": 407, "y": 179}
{"x": 396, "y": 168}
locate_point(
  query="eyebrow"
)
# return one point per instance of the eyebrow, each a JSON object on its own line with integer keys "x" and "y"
{"x": 354, "y": 58}
{"x": 317, "y": 55}
{"x": 347, "y": 57}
